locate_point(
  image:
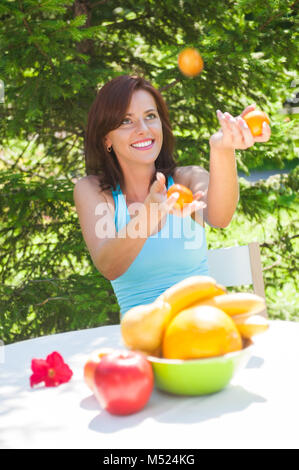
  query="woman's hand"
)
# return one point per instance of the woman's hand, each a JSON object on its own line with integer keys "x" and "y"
{"x": 235, "y": 134}
{"x": 158, "y": 194}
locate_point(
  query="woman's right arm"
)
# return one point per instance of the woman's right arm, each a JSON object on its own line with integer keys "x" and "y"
{"x": 113, "y": 252}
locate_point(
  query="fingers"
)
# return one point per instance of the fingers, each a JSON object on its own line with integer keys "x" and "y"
{"x": 233, "y": 127}
{"x": 247, "y": 137}
{"x": 198, "y": 195}
{"x": 194, "y": 206}
{"x": 170, "y": 202}
{"x": 160, "y": 179}
{"x": 248, "y": 110}
{"x": 223, "y": 121}
{"x": 188, "y": 209}
{"x": 236, "y": 133}
{"x": 265, "y": 135}
{"x": 236, "y": 130}
{"x": 158, "y": 186}
{"x": 231, "y": 131}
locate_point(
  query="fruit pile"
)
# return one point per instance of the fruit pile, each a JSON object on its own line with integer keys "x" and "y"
{"x": 195, "y": 318}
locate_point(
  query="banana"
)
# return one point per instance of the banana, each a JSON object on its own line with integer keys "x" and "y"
{"x": 142, "y": 327}
{"x": 237, "y": 303}
{"x": 249, "y": 326}
{"x": 192, "y": 289}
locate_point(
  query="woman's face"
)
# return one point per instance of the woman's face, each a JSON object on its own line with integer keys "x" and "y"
{"x": 139, "y": 138}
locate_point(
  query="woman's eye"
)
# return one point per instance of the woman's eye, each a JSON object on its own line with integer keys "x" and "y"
{"x": 125, "y": 121}
{"x": 128, "y": 120}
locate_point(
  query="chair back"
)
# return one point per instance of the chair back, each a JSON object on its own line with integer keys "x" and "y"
{"x": 237, "y": 266}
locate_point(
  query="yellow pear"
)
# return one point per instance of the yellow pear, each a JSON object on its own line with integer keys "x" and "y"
{"x": 142, "y": 327}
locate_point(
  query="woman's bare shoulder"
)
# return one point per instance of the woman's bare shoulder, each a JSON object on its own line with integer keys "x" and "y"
{"x": 92, "y": 184}
{"x": 92, "y": 180}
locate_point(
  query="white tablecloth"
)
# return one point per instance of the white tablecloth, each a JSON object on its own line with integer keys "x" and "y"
{"x": 259, "y": 408}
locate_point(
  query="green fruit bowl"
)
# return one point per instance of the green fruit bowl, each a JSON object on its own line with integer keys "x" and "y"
{"x": 199, "y": 376}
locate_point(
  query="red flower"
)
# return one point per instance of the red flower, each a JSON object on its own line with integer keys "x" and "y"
{"x": 53, "y": 371}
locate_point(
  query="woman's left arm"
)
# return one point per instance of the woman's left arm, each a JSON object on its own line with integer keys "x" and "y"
{"x": 223, "y": 189}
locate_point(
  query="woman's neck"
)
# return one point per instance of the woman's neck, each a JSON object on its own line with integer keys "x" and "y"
{"x": 136, "y": 186}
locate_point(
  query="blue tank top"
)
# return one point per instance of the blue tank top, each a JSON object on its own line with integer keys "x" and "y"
{"x": 177, "y": 251}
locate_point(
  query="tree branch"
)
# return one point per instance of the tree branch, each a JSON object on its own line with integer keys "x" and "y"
{"x": 273, "y": 265}
{"x": 51, "y": 298}
{"x": 26, "y": 24}
{"x": 275, "y": 16}
{"x": 170, "y": 85}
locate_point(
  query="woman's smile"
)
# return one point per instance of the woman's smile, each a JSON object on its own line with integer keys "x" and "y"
{"x": 143, "y": 144}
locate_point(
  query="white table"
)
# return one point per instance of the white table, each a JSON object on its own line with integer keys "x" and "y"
{"x": 259, "y": 409}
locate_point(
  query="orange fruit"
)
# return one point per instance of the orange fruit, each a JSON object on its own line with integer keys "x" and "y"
{"x": 91, "y": 364}
{"x": 185, "y": 197}
{"x": 190, "y": 62}
{"x": 255, "y": 120}
{"x": 200, "y": 332}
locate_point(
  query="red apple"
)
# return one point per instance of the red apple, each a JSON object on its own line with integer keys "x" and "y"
{"x": 123, "y": 382}
{"x": 90, "y": 366}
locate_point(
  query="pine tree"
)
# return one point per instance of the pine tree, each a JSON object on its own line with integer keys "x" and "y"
{"x": 53, "y": 58}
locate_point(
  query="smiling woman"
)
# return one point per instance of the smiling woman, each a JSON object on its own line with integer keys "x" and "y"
{"x": 110, "y": 120}
{"x": 136, "y": 235}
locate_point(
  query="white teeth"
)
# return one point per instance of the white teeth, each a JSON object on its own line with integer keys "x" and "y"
{"x": 143, "y": 144}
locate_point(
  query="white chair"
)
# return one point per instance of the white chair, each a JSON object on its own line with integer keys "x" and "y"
{"x": 237, "y": 266}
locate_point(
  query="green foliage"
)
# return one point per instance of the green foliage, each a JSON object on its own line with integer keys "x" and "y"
{"x": 44, "y": 306}
{"x": 274, "y": 223}
{"x": 53, "y": 58}
{"x": 48, "y": 283}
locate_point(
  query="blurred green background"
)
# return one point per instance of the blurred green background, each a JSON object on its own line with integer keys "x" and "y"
{"x": 54, "y": 57}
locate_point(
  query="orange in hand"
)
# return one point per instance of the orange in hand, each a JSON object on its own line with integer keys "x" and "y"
{"x": 255, "y": 120}
{"x": 190, "y": 62}
{"x": 185, "y": 197}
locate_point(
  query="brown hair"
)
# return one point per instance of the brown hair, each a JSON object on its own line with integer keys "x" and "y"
{"x": 106, "y": 114}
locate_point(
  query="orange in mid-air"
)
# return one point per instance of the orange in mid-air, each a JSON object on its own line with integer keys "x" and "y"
{"x": 255, "y": 120}
{"x": 185, "y": 197}
{"x": 190, "y": 62}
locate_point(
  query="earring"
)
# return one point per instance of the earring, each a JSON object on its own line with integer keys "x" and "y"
{"x": 109, "y": 148}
